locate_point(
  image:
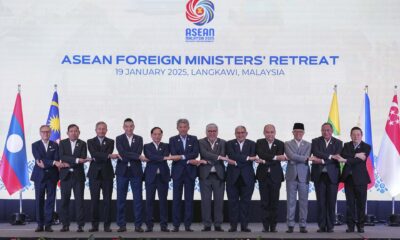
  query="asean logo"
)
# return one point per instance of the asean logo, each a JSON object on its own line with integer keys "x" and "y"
{"x": 200, "y": 12}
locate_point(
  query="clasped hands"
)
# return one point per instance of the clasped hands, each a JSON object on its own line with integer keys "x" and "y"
{"x": 361, "y": 155}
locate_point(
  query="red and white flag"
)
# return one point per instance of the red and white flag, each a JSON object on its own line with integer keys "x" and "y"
{"x": 388, "y": 164}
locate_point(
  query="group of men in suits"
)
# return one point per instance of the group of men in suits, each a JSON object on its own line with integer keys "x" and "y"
{"x": 222, "y": 164}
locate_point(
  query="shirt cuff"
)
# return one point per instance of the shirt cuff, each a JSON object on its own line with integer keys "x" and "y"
{"x": 248, "y": 157}
{"x": 323, "y": 162}
{"x": 77, "y": 160}
{"x": 330, "y": 156}
{"x": 274, "y": 158}
{"x": 183, "y": 157}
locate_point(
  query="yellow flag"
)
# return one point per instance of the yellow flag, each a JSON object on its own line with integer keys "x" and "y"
{"x": 334, "y": 115}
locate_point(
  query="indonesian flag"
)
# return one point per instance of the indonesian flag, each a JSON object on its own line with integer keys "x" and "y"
{"x": 388, "y": 164}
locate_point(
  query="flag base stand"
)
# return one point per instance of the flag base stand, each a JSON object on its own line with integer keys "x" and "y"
{"x": 394, "y": 220}
{"x": 18, "y": 219}
{"x": 370, "y": 220}
{"x": 339, "y": 219}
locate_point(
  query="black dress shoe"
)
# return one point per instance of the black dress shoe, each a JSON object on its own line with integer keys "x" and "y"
{"x": 48, "y": 229}
{"x": 39, "y": 229}
{"x": 290, "y": 230}
{"x": 303, "y": 230}
{"x": 65, "y": 229}
{"x": 139, "y": 229}
{"x": 245, "y": 230}
{"x": 80, "y": 229}
{"x": 265, "y": 229}
{"x": 176, "y": 229}
{"x": 218, "y": 229}
{"x": 121, "y": 229}
{"x": 206, "y": 229}
{"x": 93, "y": 229}
{"x": 350, "y": 230}
{"x": 330, "y": 230}
{"x": 188, "y": 229}
{"x": 273, "y": 229}
{"x": 321, "y": 230}
{"x": 165, "y": 229}
{"x": 232, "y": 229}
{"x": 149, "y": 229}
{"x": 107, "y": 229}
{"x": 360, "y": 229}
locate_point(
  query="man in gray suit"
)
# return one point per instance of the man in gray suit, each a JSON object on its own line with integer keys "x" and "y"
{"x": 297, "y": 177}
{"x": 212, "y": 177}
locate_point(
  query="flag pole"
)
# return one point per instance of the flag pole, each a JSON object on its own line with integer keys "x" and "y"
{"x": 19, "y": 218}
{"x": 55, "y": 217}
{"x": 20, "y": 191}
{"x": 369, "y": 218}
{"x": 338, "y": 216}
{"x": 394, "y": 219}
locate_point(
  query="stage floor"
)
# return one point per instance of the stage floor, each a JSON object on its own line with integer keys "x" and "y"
{"x": 8, "y": 231}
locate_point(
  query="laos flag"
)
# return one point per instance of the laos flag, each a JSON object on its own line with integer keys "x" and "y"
{"x": 14, "y": 165}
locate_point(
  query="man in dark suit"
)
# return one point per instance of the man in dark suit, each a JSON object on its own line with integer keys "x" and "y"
{"x": 355, "y": 177}
{"x": 157, "y": 176}
{"x": 240, "y": 178}
{"x": 129, "y": 171}
{"x": 101, "y": 175}
{"x": 73, "y": 154}
{"x": 185, "y": 150}
{"x": 325, "y": 173}
{"x": 45, "y": 177}
{"x": 212, "y": 177}
{"x": 270, "y": 175}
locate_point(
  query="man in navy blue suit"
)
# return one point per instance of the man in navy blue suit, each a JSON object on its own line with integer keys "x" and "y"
{"x": 240, "y": 178}
{"x": 184, "y": 149}
{"x": 129, "y": 171}
{"x": 157, "y": 177}
{"x": 45, "y": 177}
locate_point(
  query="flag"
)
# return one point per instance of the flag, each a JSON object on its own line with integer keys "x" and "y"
{"x": 388, "y": 164}
{"x": 53, "y": 119}
{"x": 333, "y": 119}
{"x": 14, "y": 165}
{"x": 365, "y": 123}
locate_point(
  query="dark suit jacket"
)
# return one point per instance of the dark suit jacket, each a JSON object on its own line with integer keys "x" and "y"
{"x": 129, "y": 154}
{"x": 319, "y": 149}
{"x": 181, "y": 167}
{"x": 211, "y": 155}
{"x": 67, "y": 156}
{"x": 355, "y": 166}
{"x": 52, "y": 154}
{"x": 156, "y": 161}
{"x": 243, "y": 167}
{"x": 101, "y": 164}
{"x": 264, "y": 152}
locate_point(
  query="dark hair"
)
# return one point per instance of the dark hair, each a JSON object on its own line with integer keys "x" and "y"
{"x": 327, "y": 123}
{"x": 72, "y": 126}
{"x": 356, "y": 128}
{"x": 155, "y": 128}
{"x": 100, "y": 123}
{"x": 128, "y": 120}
